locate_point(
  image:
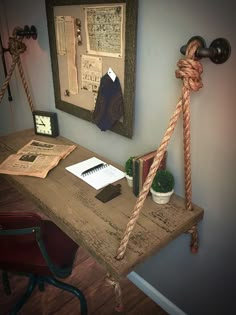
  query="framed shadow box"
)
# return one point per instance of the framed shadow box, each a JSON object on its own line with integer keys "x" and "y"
{"x": 87, "y": 38}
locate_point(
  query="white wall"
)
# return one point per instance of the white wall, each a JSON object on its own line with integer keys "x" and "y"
{"x": 198, "y": 284}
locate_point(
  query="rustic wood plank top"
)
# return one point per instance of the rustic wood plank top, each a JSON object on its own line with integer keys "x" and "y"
{"x": 98, "y": 227}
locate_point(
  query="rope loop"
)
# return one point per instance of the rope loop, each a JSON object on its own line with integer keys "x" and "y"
{"x": 190, "y": 72}
{"x": 190, "y": 68}
{"x": 15, "y": 31}
{"x": 16, "y": 46}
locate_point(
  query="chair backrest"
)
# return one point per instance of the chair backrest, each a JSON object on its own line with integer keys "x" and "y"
{"x": 19, "y": 232}
{"x": 18, "y": 220}
{"x": 30, "y": 244}
{"x": 16, "y": 224}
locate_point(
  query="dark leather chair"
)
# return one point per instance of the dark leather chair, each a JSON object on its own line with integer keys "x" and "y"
{"x": 38, "y": 249}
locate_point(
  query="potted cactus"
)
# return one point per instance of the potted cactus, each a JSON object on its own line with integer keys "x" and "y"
{"x": 129, "y": 171}
{"x": 162, "y": 186}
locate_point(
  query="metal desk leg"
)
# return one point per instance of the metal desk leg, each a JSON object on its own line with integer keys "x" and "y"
{"x": 6, "y": 283}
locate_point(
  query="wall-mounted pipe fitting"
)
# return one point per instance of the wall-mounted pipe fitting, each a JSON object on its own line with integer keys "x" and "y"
{"x": 219, "y": 50}
{"x": 28, "y": 32}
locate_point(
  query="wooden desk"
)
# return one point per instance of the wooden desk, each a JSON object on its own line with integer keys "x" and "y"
{"x": 98, "y": 227}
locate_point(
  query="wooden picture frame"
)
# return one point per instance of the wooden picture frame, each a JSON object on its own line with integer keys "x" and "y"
{"x": 124, "y": 65}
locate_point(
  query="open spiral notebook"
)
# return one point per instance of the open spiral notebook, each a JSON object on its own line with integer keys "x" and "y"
{"x": 96, "y": 173}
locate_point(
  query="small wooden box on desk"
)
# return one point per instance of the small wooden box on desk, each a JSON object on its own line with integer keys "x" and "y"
{"x": 98, "y": 227}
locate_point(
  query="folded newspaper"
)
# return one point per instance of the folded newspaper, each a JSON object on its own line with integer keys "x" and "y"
{"x": 36, "y": 159}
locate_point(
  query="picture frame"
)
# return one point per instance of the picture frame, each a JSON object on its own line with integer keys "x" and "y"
{"x": 123, "y": 63}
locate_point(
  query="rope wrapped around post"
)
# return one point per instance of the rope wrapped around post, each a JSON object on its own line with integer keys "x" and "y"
{"x": 190, "y": 70}
{"x": 16, "y": 47}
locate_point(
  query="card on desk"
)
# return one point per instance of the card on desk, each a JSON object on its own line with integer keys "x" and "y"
{"x": 109, "y": 192}
{"x": 96, "y": 173}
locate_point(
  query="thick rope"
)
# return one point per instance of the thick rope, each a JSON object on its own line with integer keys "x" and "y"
{"x": 8, "y": 78}
{"x": 30, "y": 102}
{"x": 194, "y": 244}
{"x": 187, "y": 156}
{"x": 118, "y": 293}
{"x": 190, "y": 71}
{"x": 16, "y": 47}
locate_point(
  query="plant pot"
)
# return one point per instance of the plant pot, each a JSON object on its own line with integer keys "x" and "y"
{"x": 129, "y": 180}
{"x": 161, "y": 198}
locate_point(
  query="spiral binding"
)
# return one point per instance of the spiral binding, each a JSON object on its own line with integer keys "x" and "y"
{"x": 96, "y": 169}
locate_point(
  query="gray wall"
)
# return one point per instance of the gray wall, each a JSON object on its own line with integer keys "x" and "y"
{"x": 198, "y": 284}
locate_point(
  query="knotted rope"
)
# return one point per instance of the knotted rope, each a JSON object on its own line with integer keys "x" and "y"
{"x": 194, "y": 239}
{"x": 190, "y": 70}
{"x": 118, "y": 294}
{"x": 16, "y": 47}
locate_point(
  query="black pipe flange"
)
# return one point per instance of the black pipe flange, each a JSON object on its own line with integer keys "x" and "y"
{"x": 222, "y": 49}
{"x": 219, "y": 50}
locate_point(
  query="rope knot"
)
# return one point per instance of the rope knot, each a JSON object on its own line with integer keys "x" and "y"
{"x": 190, "y": 69}
{"x": 190, "y": 72}
{"x": 16, "y": 47}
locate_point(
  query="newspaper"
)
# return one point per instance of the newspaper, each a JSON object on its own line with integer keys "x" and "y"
{"x": 91, "y": 72}
{"x": 36, "y": 159}
{"x": 66, "y": 46}
{"x": 36, "y": 147}
{"x": 104, "y": 30}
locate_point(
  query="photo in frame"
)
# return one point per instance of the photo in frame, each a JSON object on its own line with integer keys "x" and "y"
{"x": 87, "y": 38}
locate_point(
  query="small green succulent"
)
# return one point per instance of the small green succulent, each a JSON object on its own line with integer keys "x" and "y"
{"x": 129, "y": 166}
{"x": 163, "y": 181}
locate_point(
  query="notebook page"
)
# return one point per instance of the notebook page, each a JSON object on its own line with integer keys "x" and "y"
{"x": 103, "y": 177}
{"x": 98, "y": 179}
{"x": 78, "y": 168}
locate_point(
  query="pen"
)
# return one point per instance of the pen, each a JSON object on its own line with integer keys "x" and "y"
{"x": 92, "y": 169}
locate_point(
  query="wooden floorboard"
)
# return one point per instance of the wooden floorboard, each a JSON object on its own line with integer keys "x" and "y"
{"x": 87, "y": 275}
